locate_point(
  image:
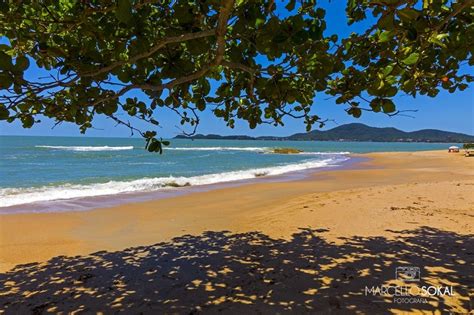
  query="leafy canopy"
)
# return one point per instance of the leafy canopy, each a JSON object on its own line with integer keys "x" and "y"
{"x": 265, "y": 59}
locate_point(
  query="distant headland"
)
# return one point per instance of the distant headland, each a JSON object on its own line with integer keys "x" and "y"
{"x": 355, "y": 132}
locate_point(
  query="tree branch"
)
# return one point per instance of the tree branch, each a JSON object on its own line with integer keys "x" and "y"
{"x": 220, "y": 33}
{"x": 154, "y": 49}
{"x": 467, "y": 3}
{"x": 221, "y": 30}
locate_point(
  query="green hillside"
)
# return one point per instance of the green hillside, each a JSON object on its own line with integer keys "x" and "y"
{"x": 357, "y": 132}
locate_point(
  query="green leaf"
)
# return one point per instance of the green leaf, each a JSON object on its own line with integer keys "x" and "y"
{"x": 5, "y": 61}
{"x": 385, "y": 36}
{"x": 411, "y": 59}
{"x": 354, "y": 111}
{"x": 291, "y": 5}
{"x": 149, "y": 135}
{"x": 320, "y": 13}
{"x": 110, "y": 108}
{"x": 4, "y": 113}
{"x": 408, "y": 85}
{"x": 259, "y": 21}
{"x": 438, "y": 39}
{"x": 386, "y": 22}
{"x": 442, "y": 36}
{"x": 165, "y": 143}
{"x": 154, "y": 146}
{"x": 22, "y": 63}
{"x": 5, "y": 81}
{"x": 123, "y": 11}
{"x": 27, "y": 121}
{"x": 201, "y": 104}
{"x": 124, "y": 76}
{"x": 388, "y": 69}
{"x": 408, "y": 14}
{"x": 427, "y": 3}
{"x": 391, "y": 91}
{"x": 388, "y": 106}
{"x": 375, "y": 104}
{"x": 206, "y": 87}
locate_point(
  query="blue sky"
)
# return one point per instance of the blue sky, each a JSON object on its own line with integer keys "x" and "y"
{"x": 452, "y": 112}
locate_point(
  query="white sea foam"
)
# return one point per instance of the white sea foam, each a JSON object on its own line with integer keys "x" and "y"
{"x": 84, "y": 148}
{"x": 18, "y": 196}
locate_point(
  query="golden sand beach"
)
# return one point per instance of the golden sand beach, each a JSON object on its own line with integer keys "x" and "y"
{"x": 303, "y": 246}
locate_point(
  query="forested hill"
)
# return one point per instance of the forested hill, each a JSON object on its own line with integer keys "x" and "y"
{"x": 357, "y": 132}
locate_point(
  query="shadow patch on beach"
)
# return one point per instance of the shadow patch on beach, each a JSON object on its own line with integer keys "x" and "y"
{"x": 246, "y": 273}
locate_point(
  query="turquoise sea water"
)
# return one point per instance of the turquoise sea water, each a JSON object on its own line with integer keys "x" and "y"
{"x": 46, "y": 169}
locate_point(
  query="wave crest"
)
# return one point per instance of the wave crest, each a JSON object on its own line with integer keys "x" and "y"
{"x": 17, "y": 196}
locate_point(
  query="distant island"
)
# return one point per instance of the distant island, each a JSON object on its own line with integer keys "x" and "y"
{"x": 355, "y": 132}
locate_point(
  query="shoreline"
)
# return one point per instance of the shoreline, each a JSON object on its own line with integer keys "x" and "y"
{"x": 113, "y": 200}
{"x": 89, "y": 185}
{"x": 28, "y": 237}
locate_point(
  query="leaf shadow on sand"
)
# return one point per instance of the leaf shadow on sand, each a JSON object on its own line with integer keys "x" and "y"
{"x": 245, "y": 273}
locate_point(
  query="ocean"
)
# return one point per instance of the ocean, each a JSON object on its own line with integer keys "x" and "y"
{"x": 76, "y": 173}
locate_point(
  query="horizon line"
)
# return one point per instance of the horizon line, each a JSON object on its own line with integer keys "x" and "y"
{"x": 232, "y": 135}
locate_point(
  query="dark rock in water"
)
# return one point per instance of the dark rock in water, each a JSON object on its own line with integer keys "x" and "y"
{"x": 286, "y": 151}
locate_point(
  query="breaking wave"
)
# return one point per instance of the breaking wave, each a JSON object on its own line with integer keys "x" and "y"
{"x": 18, "y": 196}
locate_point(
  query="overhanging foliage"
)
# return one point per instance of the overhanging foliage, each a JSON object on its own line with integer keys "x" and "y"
{"x": 267, "y": 59}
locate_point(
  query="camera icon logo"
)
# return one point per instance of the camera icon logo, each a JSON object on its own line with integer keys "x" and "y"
{"x": 407, "y": 274}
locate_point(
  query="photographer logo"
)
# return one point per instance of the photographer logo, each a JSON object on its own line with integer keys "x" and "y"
{"x": 410, "y": 292}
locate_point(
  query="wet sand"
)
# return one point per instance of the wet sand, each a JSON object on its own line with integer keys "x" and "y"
{"x": 407, "y": 208}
